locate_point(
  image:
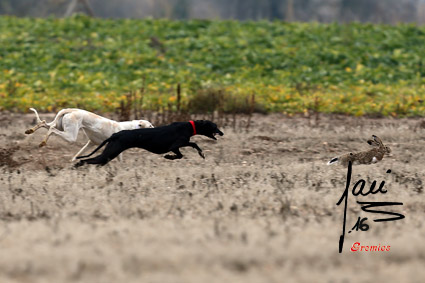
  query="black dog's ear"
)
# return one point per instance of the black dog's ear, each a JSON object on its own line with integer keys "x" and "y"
{"x": 206, "y": 123}
{"x": 202, "y": 122}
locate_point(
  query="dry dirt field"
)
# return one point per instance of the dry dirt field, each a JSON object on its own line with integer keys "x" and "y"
{"x": 260, "y": 208}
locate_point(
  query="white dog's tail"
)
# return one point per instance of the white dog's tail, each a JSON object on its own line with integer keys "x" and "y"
{"x": 57, "y": 121}
{"x": 36, "y": 115}
{"x": 332, "y": 161}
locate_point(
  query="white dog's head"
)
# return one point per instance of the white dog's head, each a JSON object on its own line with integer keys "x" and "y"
{"x": 135, "y": 124}
{"x": 143, "y": 124}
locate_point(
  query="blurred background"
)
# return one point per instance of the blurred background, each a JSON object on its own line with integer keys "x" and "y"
{"x": 374, "y": 11}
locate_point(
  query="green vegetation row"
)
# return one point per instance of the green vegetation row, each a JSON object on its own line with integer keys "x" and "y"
{"x": 91, "y": 63}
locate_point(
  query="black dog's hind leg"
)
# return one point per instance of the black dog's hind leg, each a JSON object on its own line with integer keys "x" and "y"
{"x": 112, "y": 150}
{"x": 99, "y": 160}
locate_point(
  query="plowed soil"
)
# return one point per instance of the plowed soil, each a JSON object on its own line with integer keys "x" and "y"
{"x": 260, "y": 208}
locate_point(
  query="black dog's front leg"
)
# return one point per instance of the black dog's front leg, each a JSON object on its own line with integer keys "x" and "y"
{"x": 178, "y": 154}
{"x": 195, "y": 146}
{"x": 176, "y": 149}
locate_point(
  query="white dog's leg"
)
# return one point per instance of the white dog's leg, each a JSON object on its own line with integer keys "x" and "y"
{"x": 42, "y": 123}
{"x": 69, "y": 133}
{"x": 36, "y": 127}
{"x": 81, "y": 150}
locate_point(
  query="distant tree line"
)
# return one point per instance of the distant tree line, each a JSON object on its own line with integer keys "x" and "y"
{"x": 376, "y": 11}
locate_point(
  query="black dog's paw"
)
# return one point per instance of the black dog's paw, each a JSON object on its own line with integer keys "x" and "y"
{"x": 79, "y": 164}
{"x": 201, "y": 154}
{"x": 170, "y": 157}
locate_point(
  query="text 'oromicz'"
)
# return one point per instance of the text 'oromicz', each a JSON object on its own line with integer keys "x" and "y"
{"x": 366, "y": 206}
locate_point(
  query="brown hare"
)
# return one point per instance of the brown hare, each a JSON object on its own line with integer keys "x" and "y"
{"x": 370, "y": 156}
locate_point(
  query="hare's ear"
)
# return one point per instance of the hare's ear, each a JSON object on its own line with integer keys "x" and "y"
{"x": 378, "y": 140}
{"x": 372, "y": 142}
{"x": 332, "y": 161}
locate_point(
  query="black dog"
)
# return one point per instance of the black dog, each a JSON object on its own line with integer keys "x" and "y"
{"x": 157, "y": 140}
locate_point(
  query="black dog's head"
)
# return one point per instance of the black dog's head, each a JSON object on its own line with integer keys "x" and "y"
{"x": 207, "y": 128}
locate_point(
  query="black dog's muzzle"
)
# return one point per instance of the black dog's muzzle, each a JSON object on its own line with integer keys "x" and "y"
{"x": 218, "y": 132}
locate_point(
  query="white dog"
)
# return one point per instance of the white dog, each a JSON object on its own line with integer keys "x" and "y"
{"x": 68, "y": 122}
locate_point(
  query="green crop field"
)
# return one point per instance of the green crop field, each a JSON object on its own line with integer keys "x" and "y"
{"x": 357, "y": 69}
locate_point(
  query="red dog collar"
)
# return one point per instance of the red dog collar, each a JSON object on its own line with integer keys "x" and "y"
{"x": 193, "y": 126}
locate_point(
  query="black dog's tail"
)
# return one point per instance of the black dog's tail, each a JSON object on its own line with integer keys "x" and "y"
{"x": 99, "y": 147}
